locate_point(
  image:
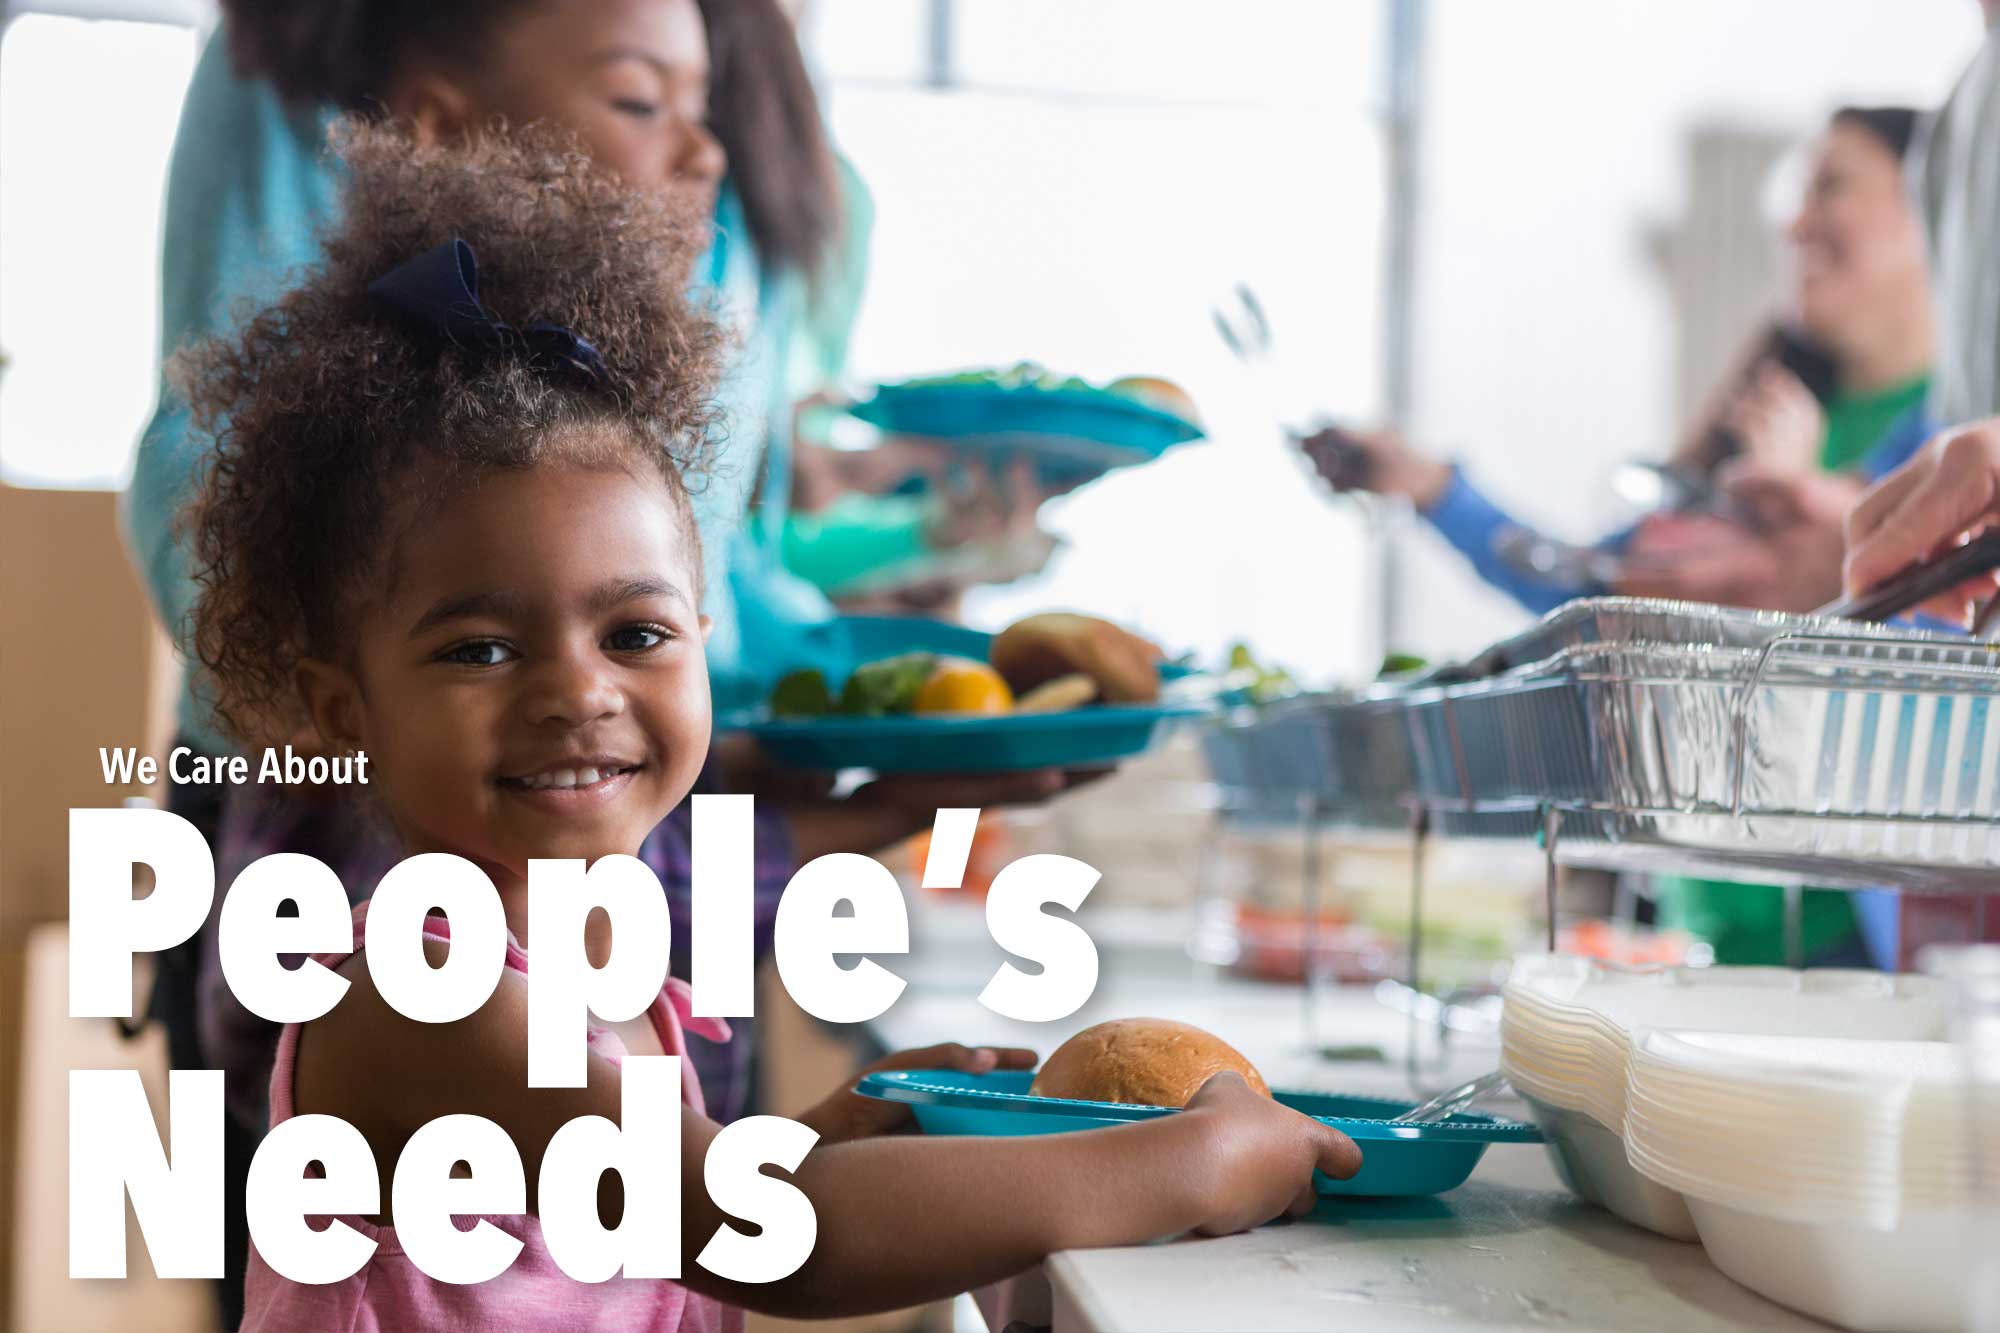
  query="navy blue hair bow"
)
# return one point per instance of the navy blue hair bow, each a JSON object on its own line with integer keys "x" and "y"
{"x": 437, "y": 295}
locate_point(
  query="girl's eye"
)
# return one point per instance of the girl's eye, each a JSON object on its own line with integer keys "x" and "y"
{"x": 632, "y": 106}
{"x": 477, "y": 652}
{"x": 636, "y": 638}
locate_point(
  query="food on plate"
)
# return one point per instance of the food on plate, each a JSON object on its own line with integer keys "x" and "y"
{"x": 801, "y": 694}
{"x": 1045, "y": 647}
{"x": 1140, "y": 1062}
{"x": 1053, "y": 696}
{"x": 1020, "y": 375}
{"x": 877, "y": 689}
{"x": 1153, "y": 391}
{"x": 961, "y": 685}
{"x": 1044, "y": 664}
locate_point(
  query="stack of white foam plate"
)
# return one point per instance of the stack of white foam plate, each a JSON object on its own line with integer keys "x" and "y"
{"x": 1832, "y": 1175}
{"x": 1566, "y": 1046}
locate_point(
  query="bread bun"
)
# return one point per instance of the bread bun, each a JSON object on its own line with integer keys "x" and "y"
{"x": 1141, "y": 1062}
{"x": 1042, "y": 648}
{"x": 1153, "y": 391}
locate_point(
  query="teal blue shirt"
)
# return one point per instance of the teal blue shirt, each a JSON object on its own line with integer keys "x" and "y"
{"x": 248, "y": 189}
{"x": 763, "y": 614}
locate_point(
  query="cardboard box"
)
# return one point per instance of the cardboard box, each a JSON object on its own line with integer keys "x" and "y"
{"x": 46, "y": 1299}
{"x": 82, "y": 664}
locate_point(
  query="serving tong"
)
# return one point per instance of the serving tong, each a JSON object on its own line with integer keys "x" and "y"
{"x": 1246, "y": 330}
{"x": 1925, "y": 580}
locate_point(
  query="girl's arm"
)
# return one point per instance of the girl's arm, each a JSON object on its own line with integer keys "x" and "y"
{"x": 906, "y": 1219}
{"x": 902, "y": 1219}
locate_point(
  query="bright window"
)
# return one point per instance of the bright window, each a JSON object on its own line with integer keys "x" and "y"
{"x": 87, "y": 115}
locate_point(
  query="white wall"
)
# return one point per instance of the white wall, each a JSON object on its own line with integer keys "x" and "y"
{"x": 1545, "y": 346}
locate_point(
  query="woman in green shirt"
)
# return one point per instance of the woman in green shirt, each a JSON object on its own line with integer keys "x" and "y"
{"x": 1858, "y": 291}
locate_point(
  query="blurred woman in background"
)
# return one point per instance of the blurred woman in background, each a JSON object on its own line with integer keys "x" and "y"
{"x": 1858, "y": 315}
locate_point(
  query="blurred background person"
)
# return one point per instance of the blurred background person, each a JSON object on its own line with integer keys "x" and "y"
{"x": 1857, "y": 324}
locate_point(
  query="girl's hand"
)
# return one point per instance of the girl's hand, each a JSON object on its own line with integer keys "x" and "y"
{"x": 1379, "y": 461}
{"x": 1779, "y": 421}
{"x": 1948, "y": 492}
{"x": 846, "y": 1114}
{"x": 1260, "y": 1157}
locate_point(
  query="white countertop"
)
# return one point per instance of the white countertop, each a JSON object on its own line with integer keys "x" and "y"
{"x": 1509, "y": 1249}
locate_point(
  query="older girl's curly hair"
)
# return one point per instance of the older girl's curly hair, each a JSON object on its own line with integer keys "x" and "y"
{"x": 331, "y": 420}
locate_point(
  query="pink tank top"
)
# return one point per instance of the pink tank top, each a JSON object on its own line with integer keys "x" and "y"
{"x": 390, "y": 1294}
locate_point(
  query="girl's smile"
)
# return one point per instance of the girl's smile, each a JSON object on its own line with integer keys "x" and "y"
{"x": 587, "y": 773}
{"x": 570, "y": 786}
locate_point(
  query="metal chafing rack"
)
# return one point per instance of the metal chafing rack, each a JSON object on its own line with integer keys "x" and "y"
{"x": 1647, "y": 735}
{"x": 1655, "y": 735}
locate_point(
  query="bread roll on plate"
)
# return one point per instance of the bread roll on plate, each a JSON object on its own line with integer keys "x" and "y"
{"x": 1140, "y": 1062}
{"x": 1153, "y": 391}
{"x": 1057, "y": 643}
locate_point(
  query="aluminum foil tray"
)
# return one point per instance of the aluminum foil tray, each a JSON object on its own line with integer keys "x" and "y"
{"x": 1272, "y": 764}
{"x": 1819, "y": 754}
{"x": 1640, "y": 620}
{"x": 1375, "y": 764}
{"x": 1343, "y": 758}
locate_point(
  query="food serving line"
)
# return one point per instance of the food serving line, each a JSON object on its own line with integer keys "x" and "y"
{"x": 1626, "y": 735}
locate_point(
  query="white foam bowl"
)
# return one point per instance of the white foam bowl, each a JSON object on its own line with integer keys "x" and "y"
{"x": 1913, "y": 1278}
{"x": 1567, "y": 1042}
{"x": 1591, "y": 1160}
{"x": 1800, "y": 1128}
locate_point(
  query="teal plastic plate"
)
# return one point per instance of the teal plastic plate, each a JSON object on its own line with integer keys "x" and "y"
{"x": 1071, "y": 432}
{"x": 1081, "y": 738}
{"x": 1396, "y": 1160}
{"x": 1087, "y": 737}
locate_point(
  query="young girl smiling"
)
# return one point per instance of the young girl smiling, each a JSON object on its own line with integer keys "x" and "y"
{"x": 447, "y": 520}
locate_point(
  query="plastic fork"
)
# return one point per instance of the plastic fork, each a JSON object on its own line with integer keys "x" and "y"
{"x": 1448, "y": 1104}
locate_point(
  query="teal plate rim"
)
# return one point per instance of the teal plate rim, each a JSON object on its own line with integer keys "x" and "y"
{"x": 1092, "y": 717}
{"x": 919, "y": 1087}
{"x": 1102, "y": 400}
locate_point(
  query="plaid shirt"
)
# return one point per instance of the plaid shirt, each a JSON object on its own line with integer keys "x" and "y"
{"x": 345, "y": 836}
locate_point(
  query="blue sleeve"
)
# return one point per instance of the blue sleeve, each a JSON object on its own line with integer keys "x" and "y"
{"x": 1472, "y": 523}
{"x": 1898, "y": 445}
{"x": 247, "y": 190}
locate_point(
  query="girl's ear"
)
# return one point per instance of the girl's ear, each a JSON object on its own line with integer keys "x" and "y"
{"x": 436, "y": 107}
{"x": 332, "y": 698}
{"x": 707, "y": 624}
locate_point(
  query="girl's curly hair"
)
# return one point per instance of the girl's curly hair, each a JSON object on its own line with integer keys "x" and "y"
{"x": 331, "y": 421}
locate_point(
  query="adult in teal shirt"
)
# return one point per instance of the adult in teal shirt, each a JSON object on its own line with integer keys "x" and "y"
{"x": 248, "y": 188}
{"x": 251, "y": 185}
